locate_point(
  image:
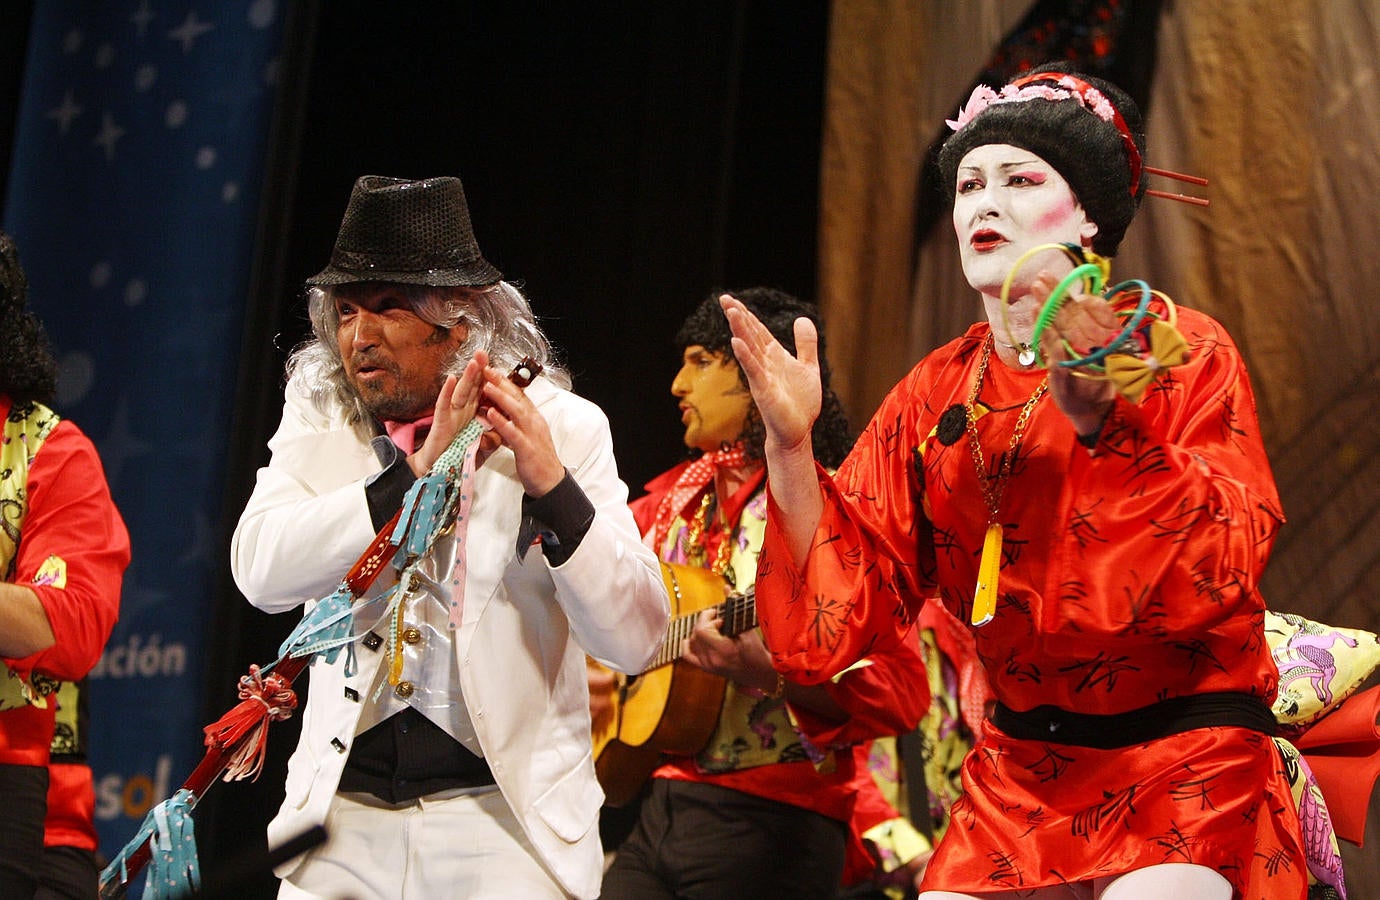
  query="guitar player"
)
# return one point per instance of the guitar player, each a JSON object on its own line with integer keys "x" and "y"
{"x": 763, "y": 808}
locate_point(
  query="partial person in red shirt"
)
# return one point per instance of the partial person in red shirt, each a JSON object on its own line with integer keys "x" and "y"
{"x": 63, "y": 552}
{"x": 764, "y": 808}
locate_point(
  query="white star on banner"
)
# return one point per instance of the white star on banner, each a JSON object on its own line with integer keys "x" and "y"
{"x": 142, "y": 17}
{"x": 108, "y": 135}
{"x": 189, "y": 31}
{"x": 262, "y": 13}
{"x": 144, "y": 77}
{"x": 64, "y": 113}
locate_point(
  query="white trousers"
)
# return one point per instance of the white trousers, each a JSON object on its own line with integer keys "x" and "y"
{"x": 442, "y": 846}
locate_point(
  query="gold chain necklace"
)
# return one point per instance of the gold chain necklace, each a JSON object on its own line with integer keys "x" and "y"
{"x": 989, "y": 567}
{"x": 695, "y": 549}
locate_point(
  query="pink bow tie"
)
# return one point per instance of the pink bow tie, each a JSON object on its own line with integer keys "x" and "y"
{"x": 408, "y": 435}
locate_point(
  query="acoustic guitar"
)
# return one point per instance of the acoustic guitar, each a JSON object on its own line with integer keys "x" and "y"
{"x": 672, "y": 706}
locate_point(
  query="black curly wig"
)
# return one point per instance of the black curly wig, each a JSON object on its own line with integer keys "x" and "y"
{"x": 28, "y": 371}
{"x": 707, "y": 326}
{"x": 1086, "y": 150}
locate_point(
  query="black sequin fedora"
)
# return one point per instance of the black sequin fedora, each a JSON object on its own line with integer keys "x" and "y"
{"x": 412, "y": 232}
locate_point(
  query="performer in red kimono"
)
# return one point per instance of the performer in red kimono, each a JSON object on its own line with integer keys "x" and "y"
{"x": 1107, "y": 550}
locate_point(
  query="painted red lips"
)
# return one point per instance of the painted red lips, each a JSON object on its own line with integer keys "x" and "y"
{"x": 986, "y": 239}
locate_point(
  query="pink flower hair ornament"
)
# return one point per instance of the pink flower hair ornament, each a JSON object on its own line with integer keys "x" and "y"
{"x": 1087, "y": 96}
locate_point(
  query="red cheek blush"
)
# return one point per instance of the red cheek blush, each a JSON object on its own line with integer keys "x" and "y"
{"x": 1056, "y": 215}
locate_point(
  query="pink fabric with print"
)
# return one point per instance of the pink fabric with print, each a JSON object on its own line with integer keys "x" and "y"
{"x": 689, "y": 484}
{"x": 462, "y": 524}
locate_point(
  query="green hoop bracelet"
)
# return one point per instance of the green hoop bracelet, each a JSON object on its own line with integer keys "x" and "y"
{"x": 1090, "y": 275}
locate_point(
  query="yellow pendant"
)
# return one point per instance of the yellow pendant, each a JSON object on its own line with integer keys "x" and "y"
{"x": 989, "y": 572}
{"x": 395, "y": 662}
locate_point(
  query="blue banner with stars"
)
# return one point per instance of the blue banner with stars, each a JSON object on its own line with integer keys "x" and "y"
{"x": 133, "y": 197}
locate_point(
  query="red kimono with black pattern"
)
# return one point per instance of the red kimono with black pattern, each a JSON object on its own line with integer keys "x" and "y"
{"x": 1128, "y": 576}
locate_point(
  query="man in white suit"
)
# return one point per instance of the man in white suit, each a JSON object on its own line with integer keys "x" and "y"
{"x": 448, "y": 755}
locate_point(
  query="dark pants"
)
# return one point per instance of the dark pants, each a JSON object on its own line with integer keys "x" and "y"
{"x": 703, "y": 842}
{"x": 25, "y": 793}
{"x": 69, "y": 874}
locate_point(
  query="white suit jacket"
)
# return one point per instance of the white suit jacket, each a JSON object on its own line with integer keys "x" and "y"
{"x": 525, "y": 630}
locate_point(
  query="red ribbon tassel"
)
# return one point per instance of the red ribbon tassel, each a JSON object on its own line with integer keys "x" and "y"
{"x": 243, "y": 731}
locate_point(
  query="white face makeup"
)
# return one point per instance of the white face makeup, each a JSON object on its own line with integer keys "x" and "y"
{"x": 1006, "y": 201}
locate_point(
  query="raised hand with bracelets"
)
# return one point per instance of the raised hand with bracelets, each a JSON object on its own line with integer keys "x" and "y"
{"x": 1113, "y": 341}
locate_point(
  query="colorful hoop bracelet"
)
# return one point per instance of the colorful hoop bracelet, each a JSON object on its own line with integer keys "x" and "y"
{"x": 1091, "y": 276}
{"x": 1136, "y": 316}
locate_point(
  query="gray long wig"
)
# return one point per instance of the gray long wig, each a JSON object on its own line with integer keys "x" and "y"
{"x": 499, "y": 319}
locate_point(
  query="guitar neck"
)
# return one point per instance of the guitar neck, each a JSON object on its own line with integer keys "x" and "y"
{"x": 739, "y": 613}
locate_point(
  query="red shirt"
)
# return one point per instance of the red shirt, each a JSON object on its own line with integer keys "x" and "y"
{"x": 70, "y": 516}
